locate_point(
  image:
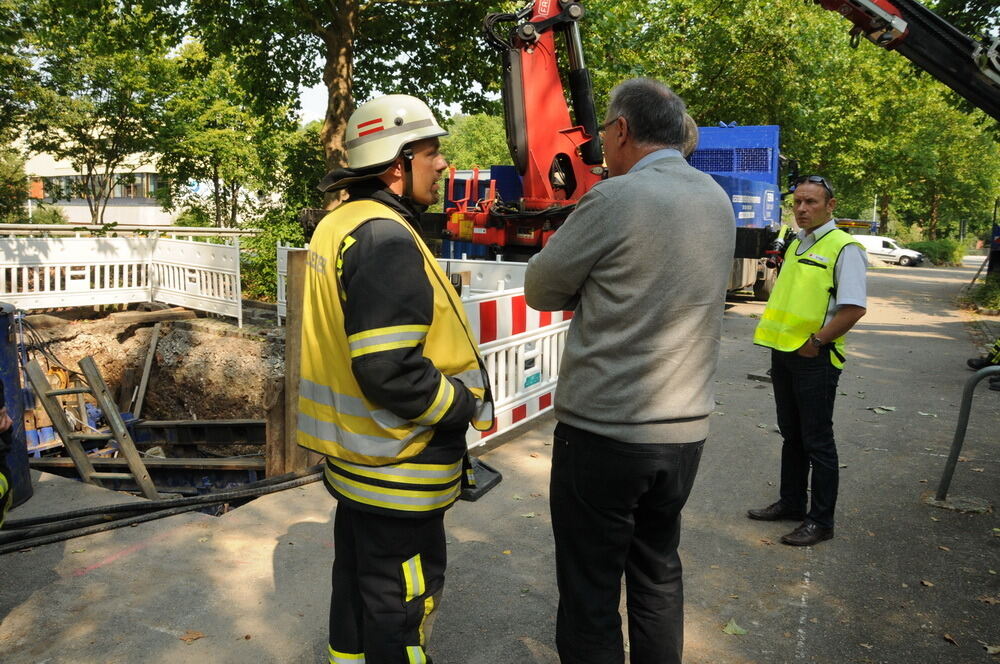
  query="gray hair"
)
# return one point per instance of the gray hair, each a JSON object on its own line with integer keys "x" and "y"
{"x": 654, "y": 112}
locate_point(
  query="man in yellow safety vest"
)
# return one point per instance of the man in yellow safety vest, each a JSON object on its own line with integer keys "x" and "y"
{"x": 819, "y": 295}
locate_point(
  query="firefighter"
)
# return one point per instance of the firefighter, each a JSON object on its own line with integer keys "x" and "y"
{"x": 6, "y": 490}
{"x": 391, "y": 379}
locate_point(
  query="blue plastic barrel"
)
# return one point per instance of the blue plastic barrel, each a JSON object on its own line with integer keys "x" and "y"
{"x": 17, "y": 458}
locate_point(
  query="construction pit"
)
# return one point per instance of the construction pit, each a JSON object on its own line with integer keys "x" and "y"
{"x": 202, "y": 371}
{"x": 202, "y": 368}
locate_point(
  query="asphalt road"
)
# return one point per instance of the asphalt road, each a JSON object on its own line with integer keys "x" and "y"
{"x": 902, "y": 581}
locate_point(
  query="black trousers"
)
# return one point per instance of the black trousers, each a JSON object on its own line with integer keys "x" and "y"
{"x": 388, "y": 575}
{"x": 616, "y": 508}
{"x": 804, "y": 392}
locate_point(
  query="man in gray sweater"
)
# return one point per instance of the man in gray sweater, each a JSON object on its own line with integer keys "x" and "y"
{"x": 644, "y": 262}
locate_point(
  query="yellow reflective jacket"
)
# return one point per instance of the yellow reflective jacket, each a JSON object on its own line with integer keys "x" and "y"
{"x": 366, "y": 444}
{"x": 801, "y": 296}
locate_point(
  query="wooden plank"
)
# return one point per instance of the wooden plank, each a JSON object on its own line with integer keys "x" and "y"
{"x": 147, "y": 366}
{"x": 110, "y": 409}
{"x": 40, "y": 385}
{"x": 197, "y": 424}
{"x": 127, "y": 389}
{"x": 81, "y": 400}
{"x": 201, "y": 432}
{"x": 274, "y": 409}
{"x": 156, "y": 463}
{"x": 130, "y": 317}
{"x": 296, "y": 457}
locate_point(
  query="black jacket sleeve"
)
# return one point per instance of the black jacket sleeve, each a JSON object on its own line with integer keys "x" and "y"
{"x": 386, "y": 285}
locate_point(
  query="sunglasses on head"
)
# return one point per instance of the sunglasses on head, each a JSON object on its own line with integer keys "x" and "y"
{"x": 816, "y": 179}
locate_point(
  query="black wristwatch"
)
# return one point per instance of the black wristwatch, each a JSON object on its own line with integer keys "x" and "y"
{"x": 816, "y": 341}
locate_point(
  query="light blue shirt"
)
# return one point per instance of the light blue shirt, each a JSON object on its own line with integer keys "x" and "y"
{"x": 653, "y": 156}
{"x": 848, "y": 274}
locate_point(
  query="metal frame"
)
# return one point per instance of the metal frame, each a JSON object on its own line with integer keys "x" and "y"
{"x": 960, "y": 429}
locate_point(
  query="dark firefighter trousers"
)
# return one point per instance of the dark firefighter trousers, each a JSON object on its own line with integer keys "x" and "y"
{"x": 388, "y": 574}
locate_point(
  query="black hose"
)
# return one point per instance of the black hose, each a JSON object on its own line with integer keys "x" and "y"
{"x": 247, "y": 491}
{"x": 179, "y": 506}
{"x": 57, "y": 527}
{"x": 80, "y": 532}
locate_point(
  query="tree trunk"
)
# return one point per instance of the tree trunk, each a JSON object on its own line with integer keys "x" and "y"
{"x": 883, "y": 213}
{"x": 338, "y": 75}
{"x": 217, "y": 195}
{"x": 234, "y": 204}
{"x": 933, "y": 223}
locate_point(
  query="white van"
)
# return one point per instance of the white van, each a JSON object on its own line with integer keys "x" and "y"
{"x": 885, "y": 248}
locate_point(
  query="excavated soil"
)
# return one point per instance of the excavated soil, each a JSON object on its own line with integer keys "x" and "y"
{"x": 202, "y": 369}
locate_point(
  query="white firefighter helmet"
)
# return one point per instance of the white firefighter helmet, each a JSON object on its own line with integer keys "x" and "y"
{"x": 379, "y": 129}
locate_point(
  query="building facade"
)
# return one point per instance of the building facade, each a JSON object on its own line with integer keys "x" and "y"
{"x": 132, "y": 201}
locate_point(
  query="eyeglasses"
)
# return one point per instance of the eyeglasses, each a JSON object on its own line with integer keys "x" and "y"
{"x": 604, "y": 127}
{"x": 816, "y": 179}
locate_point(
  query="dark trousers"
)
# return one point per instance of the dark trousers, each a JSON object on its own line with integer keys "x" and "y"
{"x": 383, "y": 596}
{"x": 804, "y": 392}
{"x": 616, "y": 508}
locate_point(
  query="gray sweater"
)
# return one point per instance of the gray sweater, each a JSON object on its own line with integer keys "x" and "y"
{"x": 644, "y": 261}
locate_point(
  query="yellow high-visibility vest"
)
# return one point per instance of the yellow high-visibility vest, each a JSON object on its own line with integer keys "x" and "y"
{"x": 335, "y": 417}
{"x": 5, "y": 499}
{"x": 801, "y": 296}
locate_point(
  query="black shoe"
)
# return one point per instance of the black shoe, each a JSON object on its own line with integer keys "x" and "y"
{"x": 776, "y": 512}
{"x": 807, "y": 534}
{"x": 977, "y": 363}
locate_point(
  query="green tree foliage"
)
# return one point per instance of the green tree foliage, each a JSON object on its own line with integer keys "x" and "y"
{"x": 13, "y": 187}
{"x": 304, "y": 167}
{"x": 863, "y": 116}
{"x": 476, "y": 140}
{"x": 973, "y": 17}
{"x": 428, "y": 49}
{"x": 15, "y": 63}
{"x": 101, "y": 69}
{"x": 48, "y": 214}
{"x": 209, "y": 136}
{"x": 940, "y": 252}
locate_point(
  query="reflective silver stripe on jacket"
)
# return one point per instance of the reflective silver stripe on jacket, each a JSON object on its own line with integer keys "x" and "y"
{"x": 443, "y": 473}
{"x": 484, "y": 411}
{"x": 389, "y": 338}
{"x": 381, "y": 446}
{"x": 349, "y": 405}
{"x": 472, "y": 378}
{"x": 444, "y": 397}
{"x": 397, "y": 499}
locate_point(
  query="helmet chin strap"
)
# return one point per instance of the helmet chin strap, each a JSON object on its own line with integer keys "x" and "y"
{"x": 407, "y": 155}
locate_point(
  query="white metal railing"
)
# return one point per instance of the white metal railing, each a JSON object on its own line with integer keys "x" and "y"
{"x": 523, "y": 370}
{"x": 198, "y": 275}
{"x": 282, "y": 298}
{"x": 86, "y": 230}
{"x": 47, "y": 272}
